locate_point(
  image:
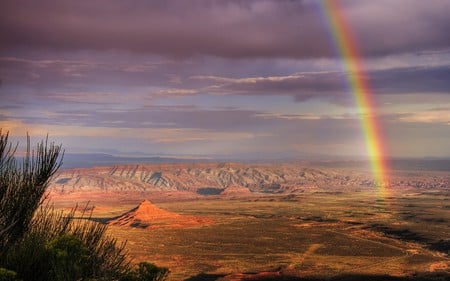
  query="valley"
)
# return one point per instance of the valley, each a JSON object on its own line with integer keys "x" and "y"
{"x": 269, "y": 222}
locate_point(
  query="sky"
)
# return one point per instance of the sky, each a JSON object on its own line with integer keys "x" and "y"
{"x": 237, "y": 79}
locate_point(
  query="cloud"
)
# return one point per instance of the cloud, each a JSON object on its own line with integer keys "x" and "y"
{"x": 157, "y": 135}
{"x": 232, "y": 133}
{"x": 409, "y": 80}
{"x": 333, "y": 85}
{"x": 380, "y": 29}
{"x": 173, "y": 117}
{"x": 303, "y": 86}
{"x": 416, "y": 138}
{"x": 177, "y": 92}
{"x": 76, "y": 73}
{"x": 289, "y": 116}
{"x": 102, "y": 98}
{"x": 224, "y": 76}
{"x": 229, "y": 28}
{"x": 436, "y": 115}
{"x": 90, "y": 78}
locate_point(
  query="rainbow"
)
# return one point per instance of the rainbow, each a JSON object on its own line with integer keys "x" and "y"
{"x": 359, "y": 85}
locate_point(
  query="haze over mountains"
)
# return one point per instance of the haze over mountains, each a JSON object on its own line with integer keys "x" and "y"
{"x": 86, "y": 160}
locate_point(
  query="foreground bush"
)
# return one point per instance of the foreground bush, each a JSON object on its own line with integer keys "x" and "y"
{"x": 69, "y": 256}
{"x": 59, "y": 246}
{"x": 37, "y": 243}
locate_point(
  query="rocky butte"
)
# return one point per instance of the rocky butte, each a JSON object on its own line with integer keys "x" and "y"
{"x": 147, "y": 215}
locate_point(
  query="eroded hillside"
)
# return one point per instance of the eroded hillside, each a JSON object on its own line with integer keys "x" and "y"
{"x": 214, "y": 179}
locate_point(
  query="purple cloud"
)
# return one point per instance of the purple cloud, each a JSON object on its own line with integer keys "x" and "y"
{"x": 230, "y": 28}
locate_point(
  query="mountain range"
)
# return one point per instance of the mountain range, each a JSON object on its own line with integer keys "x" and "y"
{"x": 231, "y": 178}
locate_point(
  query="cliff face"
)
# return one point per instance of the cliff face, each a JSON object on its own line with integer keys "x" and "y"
{"x": 279, "y": 178}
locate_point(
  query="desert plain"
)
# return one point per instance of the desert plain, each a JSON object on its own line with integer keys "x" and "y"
{"x": 280, "y": 221}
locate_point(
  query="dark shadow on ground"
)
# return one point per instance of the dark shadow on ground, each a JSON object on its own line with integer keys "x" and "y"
{"x": 404, "y": 234}
{"x": 441, "y": 246}
{"x": 441, "y": 276}
{"x": 103, "y": 220}
{"x": 204, "y": 277}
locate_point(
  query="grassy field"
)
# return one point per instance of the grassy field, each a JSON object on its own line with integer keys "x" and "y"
{"x": 315, "y": 234}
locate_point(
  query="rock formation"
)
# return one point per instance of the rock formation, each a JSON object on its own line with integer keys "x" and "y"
{"x": 147, "y": 215}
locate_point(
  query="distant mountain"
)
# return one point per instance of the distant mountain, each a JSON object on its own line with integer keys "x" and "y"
{"x": 229, "y": 178}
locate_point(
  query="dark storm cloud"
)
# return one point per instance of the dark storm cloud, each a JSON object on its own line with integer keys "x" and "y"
{"x": 228, "y": 28}
{"x": 179, "y": 28}
{"x": 384, "y": 27}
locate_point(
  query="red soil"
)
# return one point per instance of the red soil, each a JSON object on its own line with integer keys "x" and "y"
{"x": 147, "y": 215}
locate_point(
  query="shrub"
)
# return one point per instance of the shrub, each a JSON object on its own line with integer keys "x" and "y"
{"x": 60, "y": 247}
{"x": 8, "y": 275}
{"x": 68, "y": 256}
{"x": 29, "y": 258}
{"x": 146, "y": 272}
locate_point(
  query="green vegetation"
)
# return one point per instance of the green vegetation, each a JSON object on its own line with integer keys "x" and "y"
{"x": 7, "y": 275}
{"x": 147, "y": 271}
{"x": 39, "y": 243}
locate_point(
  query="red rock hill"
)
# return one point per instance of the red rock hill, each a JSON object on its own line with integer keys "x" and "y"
{"x": 147, "y": 215}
